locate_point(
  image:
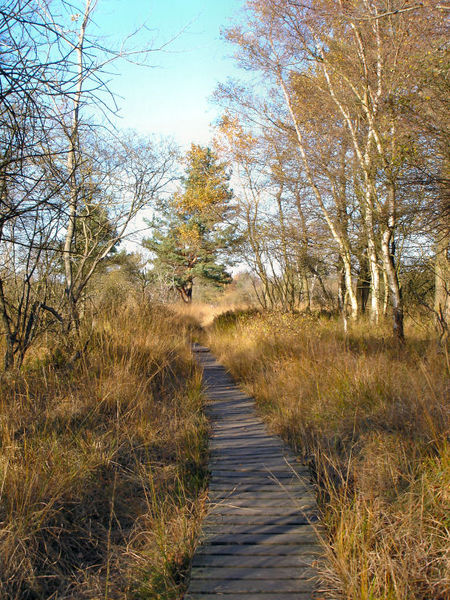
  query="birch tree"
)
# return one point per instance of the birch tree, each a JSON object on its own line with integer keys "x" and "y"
{"x": 345, "y": 73}
{"x": 263, "y": 48}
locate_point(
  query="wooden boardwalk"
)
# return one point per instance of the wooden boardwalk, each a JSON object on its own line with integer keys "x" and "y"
{"x": 259, "y": 541}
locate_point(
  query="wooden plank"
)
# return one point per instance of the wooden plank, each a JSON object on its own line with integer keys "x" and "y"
{"x": 257, "y": 479}
{"x": 250, "y": 422}
{"x": 257, "y": 485}
{"x": 244, "y": 449}
{"x": 240, "y": 572}
{"x": 242, "y": 434}
{"x": 226, "y": 469}
{"x": 260, "y": 469}
{"x": 270, "y": 529}
{"x": 257, "y": 513}
{"x": 272, "y": 466}
{"x": 276, "y": 539}
{"x": 231, "y": 416}
{"x": 229, "y": 399}
{"x": 246, "y": 446}
{"x": 259, "y": 550}
{"x": 257, "y": 465}
{"x": 248, "y": 441}
{"x": 229, "y": 519}
{"x": 275, "y": 496}
{"x": 245, "y": 453}
{"x": 255, "y": 451}
{"x": 273, "y": 473}
{"x": 272, "y": 511}
{"x": 224, "y": 423}
{"x": 199, "y": 348}
{"x": 228, "y": 393}
{"x": 286, "y": 460}
{"x": 233, "y": 471}
{"x": 269, "y": 488}
{"x": 249, "y": 586}
{"x": 234, "y": 560}
{"x": 288, "y": 488}
{"x": 250, "y": 458}
{"x": 265, "y": 480}
{"x": 253, "y": 430}
{"x": 254, "y": 498}
{"x": 266, "y": 508}
{"x": 261, "y": 503}
{"x": 227, "y": 409}
{"x": 246, "y": 596}
{"x": 262, "y": 475}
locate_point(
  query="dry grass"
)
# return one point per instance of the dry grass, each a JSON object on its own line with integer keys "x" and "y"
{"x": 371, "y": 418}
{"x": 204, "y": 313}
{"x": 102, "y": 465}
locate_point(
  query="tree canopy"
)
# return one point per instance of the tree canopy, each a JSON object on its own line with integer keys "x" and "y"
{"x": 195, "y": 235}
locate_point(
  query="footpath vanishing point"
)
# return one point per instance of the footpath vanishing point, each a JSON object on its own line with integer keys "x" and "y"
{"x": 259, "y": 540}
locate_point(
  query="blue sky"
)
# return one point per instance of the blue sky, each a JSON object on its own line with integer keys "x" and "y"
{"x": 172, "y": 97}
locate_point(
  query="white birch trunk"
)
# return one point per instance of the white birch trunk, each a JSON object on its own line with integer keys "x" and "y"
{"x": 442, "y": 281}
{"x": 72, "y": 166}
{"x": 390, "y": 270}
{"x": 344, "y": 251}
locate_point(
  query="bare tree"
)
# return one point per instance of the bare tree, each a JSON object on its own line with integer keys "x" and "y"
{"x": 68, "y": 194}
{"x": 28, "y": 281}
{"x": 122, "y": 176}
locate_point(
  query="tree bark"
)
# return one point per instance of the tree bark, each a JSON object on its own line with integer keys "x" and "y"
{"x": 442, "y": 280}
{"x": 391, "y": 271}
{"x": 363, "y": 283}
{"x": 374, "y": 268}
{"x": 72, "y": 164}
{"x": 306, "y": 295}
{"x": 10, "y": 334}
{"x": 186, "y": 292}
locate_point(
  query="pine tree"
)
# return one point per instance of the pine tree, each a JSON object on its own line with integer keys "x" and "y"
{"x": 193, "y": 238}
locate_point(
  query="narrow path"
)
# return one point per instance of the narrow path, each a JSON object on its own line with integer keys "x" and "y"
{"x": 258, "y": 539}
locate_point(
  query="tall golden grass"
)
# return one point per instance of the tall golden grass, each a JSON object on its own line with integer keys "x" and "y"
{"x": 102, "y": 464}
{"x": 204, "y": 313}
{"x": 371, "y": 418}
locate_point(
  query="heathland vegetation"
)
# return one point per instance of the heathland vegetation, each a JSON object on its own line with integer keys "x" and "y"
{"x": 326, "y": 186}
{"x": 103, "y": 462}
{"x": 370, "y": 418}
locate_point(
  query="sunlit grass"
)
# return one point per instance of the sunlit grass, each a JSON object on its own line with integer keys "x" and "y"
{"x": 371, "y": 419}
{"x": 102, "y": 465}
